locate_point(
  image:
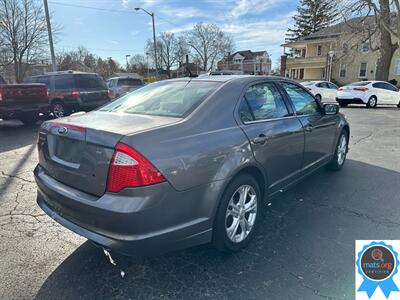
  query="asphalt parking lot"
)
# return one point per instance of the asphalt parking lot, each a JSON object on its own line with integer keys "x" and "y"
{"x": 304, "y": 248}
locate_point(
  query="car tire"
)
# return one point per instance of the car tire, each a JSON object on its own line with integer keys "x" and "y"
{"x": 29, "y": 120}
{"x": 232, "y": 215}
{"x": 372, "y": 102}
{"x": 318, "y": 97}
{"x": 59, "y": 110}
{"x": 342, "y": 104}
{"x": 339, "y": 158}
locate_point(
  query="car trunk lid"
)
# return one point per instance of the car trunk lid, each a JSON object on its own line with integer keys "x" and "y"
{"x": 77, "y": 151}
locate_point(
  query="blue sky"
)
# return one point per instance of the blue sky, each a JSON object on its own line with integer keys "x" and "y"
{"x": 116, "y": 29}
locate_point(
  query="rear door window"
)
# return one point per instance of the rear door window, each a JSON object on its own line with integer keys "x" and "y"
{"x": 262, "y": 102}
{"x": 303, "y": 102}
{"x": 89, "y": 81}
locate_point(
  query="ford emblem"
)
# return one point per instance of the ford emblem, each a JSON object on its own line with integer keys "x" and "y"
{"x": 62, "y": 130}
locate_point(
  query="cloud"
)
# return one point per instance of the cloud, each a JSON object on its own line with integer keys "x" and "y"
{"x": 243, "y": 7}
{"x": 112, "y": 42}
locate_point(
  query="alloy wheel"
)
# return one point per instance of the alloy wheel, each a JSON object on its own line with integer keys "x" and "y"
{"x": 241, "y": 213}
{"x": 58, "y": 110}
{"x": 341, "y": 150}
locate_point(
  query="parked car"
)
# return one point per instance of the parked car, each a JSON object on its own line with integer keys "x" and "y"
{"x": 370, "y": 93}
{"x": 121, "y": 85}
{"x": 183, "y": 162}
{"x": 23, "y": 102}
{"x": 324, "y": 91}
{"x": 71, "y": 91}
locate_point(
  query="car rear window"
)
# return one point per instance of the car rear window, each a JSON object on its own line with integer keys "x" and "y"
{"x": 89, "y": 81}
{"x": 129, "y": 82}
{"x": 63, "y": 82}
{"x": 168, "y": 98}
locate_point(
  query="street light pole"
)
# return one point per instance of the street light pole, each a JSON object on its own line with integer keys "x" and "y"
{"x": 127, "y": 63}
{"x": 151, "y": 14}
{"x": 53, "y": 57}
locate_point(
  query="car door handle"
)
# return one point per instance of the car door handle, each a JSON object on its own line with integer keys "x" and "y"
{"x": 261, "y": 139}
{"x": 309, "y": 128}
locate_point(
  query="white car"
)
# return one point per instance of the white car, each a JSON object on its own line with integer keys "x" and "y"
{"x": 322, "y": 90}
{"x": 370, "y": 93}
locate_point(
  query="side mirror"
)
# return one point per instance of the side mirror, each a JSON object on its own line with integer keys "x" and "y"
{"x": 331, "y": 109}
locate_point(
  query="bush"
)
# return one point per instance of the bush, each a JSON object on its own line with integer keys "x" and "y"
{"x": 393, "y": 81}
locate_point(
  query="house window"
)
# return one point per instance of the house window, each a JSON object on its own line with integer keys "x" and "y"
{"x": 319, "y": 50}
{"x": 363, "y": 70}
{"x": 237, "y": 61}
{"x": 397, "y": 67}
{"x": 345, "y": 48}
{"x": 257, "y": 68}
{"x": 364, "y": 47}
{"x": 342, "y": 73}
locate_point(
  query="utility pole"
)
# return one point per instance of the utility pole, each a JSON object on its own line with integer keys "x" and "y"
{"x": 151, "y": 14}
{"x": 53, "y": 57}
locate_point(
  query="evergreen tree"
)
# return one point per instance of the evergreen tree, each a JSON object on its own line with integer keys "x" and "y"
{"x": 312, "y": 16}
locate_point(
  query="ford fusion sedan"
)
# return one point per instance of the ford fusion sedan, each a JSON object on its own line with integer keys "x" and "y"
{"x": 184, "y": 162}
{"x": 324, "y": 91}
{"x": 370, "y": 93}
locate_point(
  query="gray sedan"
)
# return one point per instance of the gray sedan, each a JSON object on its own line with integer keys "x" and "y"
{"x": 184, "y": 162}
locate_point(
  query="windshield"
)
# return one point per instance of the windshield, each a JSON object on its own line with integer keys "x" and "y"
{"x": 168, "y": 98}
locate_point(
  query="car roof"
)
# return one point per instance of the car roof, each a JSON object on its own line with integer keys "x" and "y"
{"x": 227, "y": 78}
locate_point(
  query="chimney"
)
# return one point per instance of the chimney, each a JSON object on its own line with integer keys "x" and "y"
{"x": 187, "y": 59}
{"x": 283, "y": 65}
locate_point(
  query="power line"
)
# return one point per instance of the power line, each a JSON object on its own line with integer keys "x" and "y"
{"x": 94, "y": 8}
{"x": 109, "y": 10}
{"x": 97, "y": 49}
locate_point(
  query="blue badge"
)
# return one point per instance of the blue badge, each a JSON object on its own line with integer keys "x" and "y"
{"x": 377, "y": 263}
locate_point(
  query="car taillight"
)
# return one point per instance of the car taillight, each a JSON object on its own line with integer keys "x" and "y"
{"x": 360, "y": 89}
{"x": 1, "y": 96}
{"x": 340, "y": 89}
{"x": 75, "y": 94}
{"x": 129, "y": 168}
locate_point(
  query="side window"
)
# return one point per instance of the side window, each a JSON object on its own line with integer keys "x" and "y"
{"x": 303, "y": 102}
{"x": 63, "y": 82}
{"x": 262, "y": 102}
{"x": 377, "y": 85}
{"x": 390, "y": 87}
{"x": 332, "y": 86}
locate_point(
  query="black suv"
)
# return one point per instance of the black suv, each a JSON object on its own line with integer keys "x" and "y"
{"x": 71, "y": 91}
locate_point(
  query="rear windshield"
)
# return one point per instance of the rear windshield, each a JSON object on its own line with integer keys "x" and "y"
{"x": 129, "y": 82}
{"x": 89, "y": 81}
{"x": 168, "y": 98}
{"x": 361, "y": 83}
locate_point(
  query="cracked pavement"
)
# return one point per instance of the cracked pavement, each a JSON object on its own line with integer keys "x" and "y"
{"x": 304, "y": 248}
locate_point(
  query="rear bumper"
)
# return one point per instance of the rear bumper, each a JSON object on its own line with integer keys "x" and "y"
{"x": 15, "y": 111}
{"x": 149, "y": 221}
{"x": 350, "y": 100}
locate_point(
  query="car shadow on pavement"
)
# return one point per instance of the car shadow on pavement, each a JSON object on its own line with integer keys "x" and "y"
{"x": 16, "y": 135}
{"x": 304, "y": 249}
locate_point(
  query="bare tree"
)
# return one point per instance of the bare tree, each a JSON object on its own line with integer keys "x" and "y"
{"x": 209, "y": 44}
{"x": 138, "y": 64}
{"x": 385, "y": 30}
{"x": 182, "y": 49}
{"x": 23, "y": 33}
{"x": 166, "y": 50}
